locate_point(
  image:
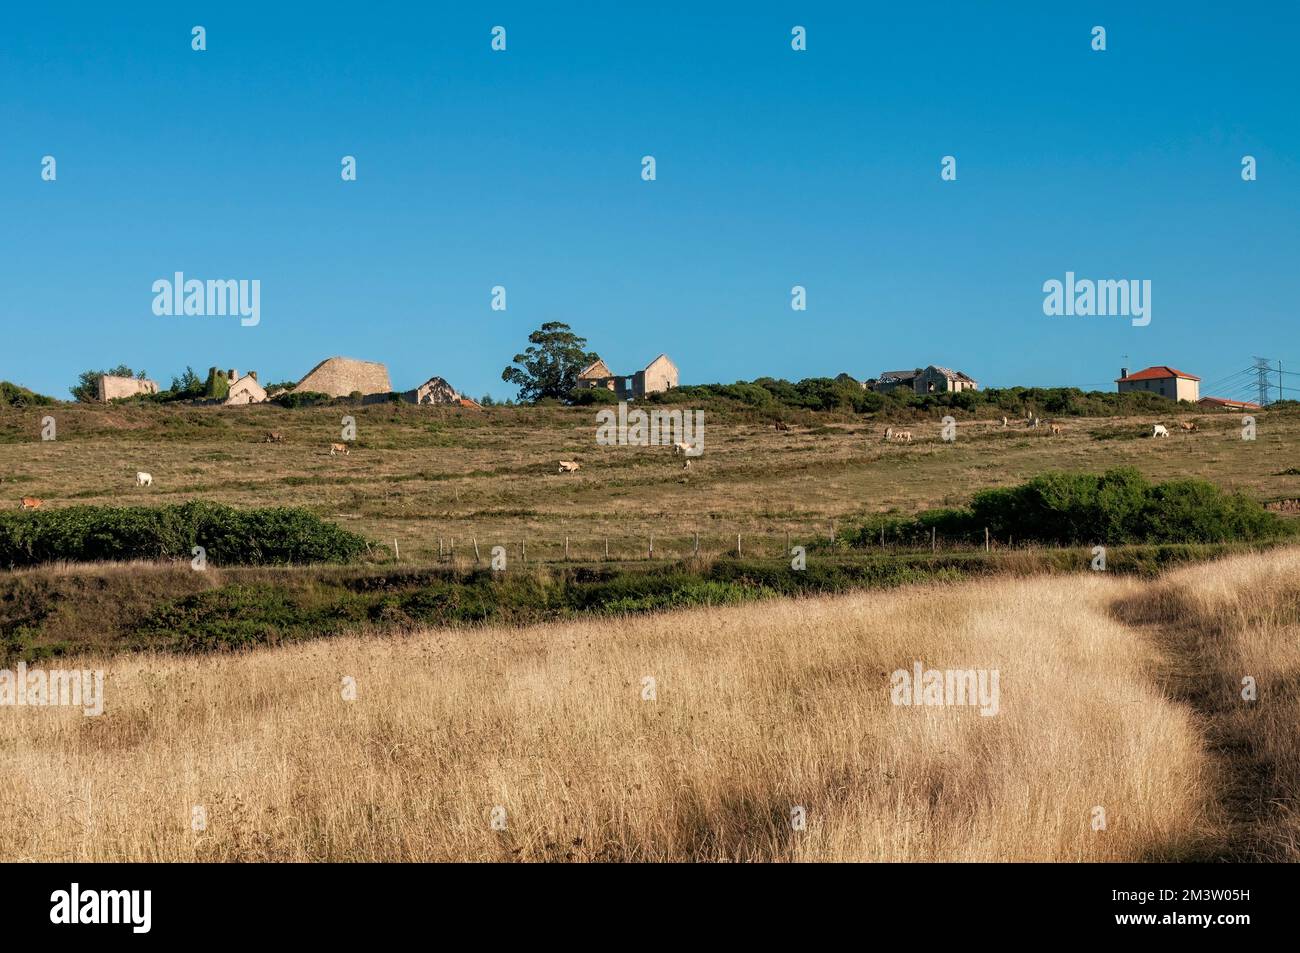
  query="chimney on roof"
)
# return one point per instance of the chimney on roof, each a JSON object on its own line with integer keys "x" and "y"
{"x": 234, "y": 374}
{"x": 253, "y": 374}
{"x": 1123, "y": 372}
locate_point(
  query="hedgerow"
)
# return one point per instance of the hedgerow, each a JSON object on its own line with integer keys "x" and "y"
{"x": 1116, "y": 507}
{"x": 230, "y": 536}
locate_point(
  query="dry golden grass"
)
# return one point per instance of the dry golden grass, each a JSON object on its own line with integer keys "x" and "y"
{"x": 1225, "y": 622}
{"x": 759, "y": 708}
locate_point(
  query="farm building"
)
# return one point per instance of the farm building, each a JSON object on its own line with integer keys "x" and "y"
{"x": 923, "y": 380}
{"x": 1223, "y": 403}
{"x": 111, "y": 387}
{"x": 1160, "y": 379}
{"x": 659, "y": 375}
{"x": 343, "y": 376}
{"x": 245, "y": 389}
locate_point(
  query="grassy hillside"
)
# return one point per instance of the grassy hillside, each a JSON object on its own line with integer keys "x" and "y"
{"x": 418, "y": 474}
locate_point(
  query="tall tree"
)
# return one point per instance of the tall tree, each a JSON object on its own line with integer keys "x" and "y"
{"x": 550, "y": 365}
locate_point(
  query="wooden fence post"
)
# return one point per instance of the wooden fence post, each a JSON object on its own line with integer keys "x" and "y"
{"x": 476, "y": 550}
{"x": 397, "y": 552}
{"x": 933, "y": 541}
{"x": 986, "y": 539}
{"x": 737, "y": 544}
{"x": 606, "y": 547}
{"x": 697, "y": 542}
{"x": 652, "y": 546}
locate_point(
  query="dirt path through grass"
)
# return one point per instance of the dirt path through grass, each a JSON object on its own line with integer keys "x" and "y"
{"x": 1216, "y": 626}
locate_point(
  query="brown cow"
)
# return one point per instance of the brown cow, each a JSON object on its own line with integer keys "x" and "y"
{"x": 1188, "y": 425}
{"x": 31, "y": 503}
{"x": 339, "y": 448}
{"x": 274, "y": 436}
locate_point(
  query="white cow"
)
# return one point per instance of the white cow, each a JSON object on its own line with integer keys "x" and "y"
{"x": 143, "y": 479}
{"x": 680, "y": 448}
{"x": 1159, "y": 431}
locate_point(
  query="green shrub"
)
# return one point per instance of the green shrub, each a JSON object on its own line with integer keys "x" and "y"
{"x": 588, "y": 396}
{"x": 232, "y": 537}
{"x": 1118, "y": 506}
{"x": 11, "y": 395}
{"x": 306, "y": 398}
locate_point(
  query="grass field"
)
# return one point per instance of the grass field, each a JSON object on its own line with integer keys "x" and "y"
{"x": 521, "y": 694}
{"x": 420, "y": 474}
{"x": 1116, "y": 693}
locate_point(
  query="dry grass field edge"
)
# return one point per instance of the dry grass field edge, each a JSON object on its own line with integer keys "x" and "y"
{"x": 702, "y": 735}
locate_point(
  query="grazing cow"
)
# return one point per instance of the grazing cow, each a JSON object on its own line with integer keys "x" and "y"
{"x": 780, "y": 425}
{"x": 1159, "y": 431}
{"x": 680, "y": 448}
{"x": 339, "y": 448}
{"x": 274, "y": 436}
{"x": 569, "y": 466}
{"x": 31, "y": 503}
{"x": 1188, "y": 425}
{"x": 903, "y": 435}
{"x": 143, "y": 479}
{"x": 1056, "y": 430}
{"x": 889, "y": 434}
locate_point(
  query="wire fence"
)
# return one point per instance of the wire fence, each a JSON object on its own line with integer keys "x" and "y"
{"x": 676, "y": 546}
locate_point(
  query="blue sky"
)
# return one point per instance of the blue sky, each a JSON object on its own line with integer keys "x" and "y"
{"x": 775, "y": 168}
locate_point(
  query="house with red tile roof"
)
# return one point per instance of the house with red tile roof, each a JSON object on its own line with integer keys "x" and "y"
{"x": 1223, "y": 403}
{"x": 1163, "y": 380}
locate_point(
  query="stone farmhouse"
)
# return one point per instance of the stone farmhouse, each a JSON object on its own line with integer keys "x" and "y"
{"x": 112, "y": 387}
{"x": 658, "y": 376}
{"x": 1160, "y": 379}
{"x": 245, "y": 389}
{"x": 923, "y": 380}
{"x": 342, "y": 376}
